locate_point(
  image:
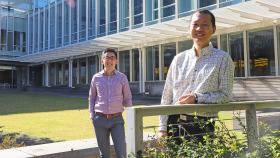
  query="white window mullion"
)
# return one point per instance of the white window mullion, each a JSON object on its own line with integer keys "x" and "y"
{"x": 159, "y": 11}
{"x": 118, "y": 15}
{"x": 176, "y": 9}
{"x": 78, "y": 20}
{"x": 62, "y": 22}
{"x": 131, "y": 9}
{"x": 33, "y": 30}
{"x": 130, "y": 65}
{"x": 276, "y": 50}
{"x": 49, "y": 25}
{"x": 27, "y": 35}
{"x": 160, "y": 63}
{"x": 87, "y": 17}
{"x": 44, "y": 29}
{"x": 144, "y": 12}
{"x": 70, "y": 26}
{"x": 107, "y": 16}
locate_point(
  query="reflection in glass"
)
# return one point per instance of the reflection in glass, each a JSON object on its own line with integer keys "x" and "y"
{"x": 124, "y": 64}
{"x": 135, "y": 65}
{"x": 261, "y": 49}
{"x": 151, "y": 11}
{"x": 224, "y": 43}
{"x": 93, "y": 66}
{"x": 91, "y": 19}
{"x": 214, "y": 41}
{"x": 169, "y": 51}
{"x": 152, "y": 63}
{"x": 236, "y": 50}
{"x": 185, "y": 45}
{"x": 168, "y": 10}
{"x": 113, "y": 17}
{"x": 82, "y": 20}
{"x": 124, "y": 15}
{"x": 82, "y": 71}
{"x": 184, "y": 7}
{"x": 138, "y": 13}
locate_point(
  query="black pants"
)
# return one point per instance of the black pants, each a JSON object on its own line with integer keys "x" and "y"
{"x": 190, "y": 127}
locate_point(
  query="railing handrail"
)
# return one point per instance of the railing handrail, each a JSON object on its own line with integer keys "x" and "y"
{"x": 135, "y": 116}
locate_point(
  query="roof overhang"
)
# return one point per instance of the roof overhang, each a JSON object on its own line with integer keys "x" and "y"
{"x": 240, "y": 16}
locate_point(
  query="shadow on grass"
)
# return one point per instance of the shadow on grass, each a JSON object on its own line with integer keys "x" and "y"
{"x": 25, "y": 139}
{"x": 15, "y": 102}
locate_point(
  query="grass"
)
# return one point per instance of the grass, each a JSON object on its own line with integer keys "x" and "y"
{"x": 44, "y": 116}
{"x": 57, "y": 118}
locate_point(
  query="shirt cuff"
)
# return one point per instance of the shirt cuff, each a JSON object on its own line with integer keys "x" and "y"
{"x": 163, "y": 123}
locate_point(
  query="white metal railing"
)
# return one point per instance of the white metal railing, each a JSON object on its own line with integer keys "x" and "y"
{"x": 135, "y": 116}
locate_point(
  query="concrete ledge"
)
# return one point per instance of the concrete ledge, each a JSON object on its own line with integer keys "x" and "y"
{"x": 68, "y": 149}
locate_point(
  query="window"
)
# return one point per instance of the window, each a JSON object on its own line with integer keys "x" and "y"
{"x": 59, "y": 74}
{"x": 185, "y": 45}
{"x": 102, "y": 19}
{"x": 74, "y": 24}
{"x": 124, "y": 64}
{"x": 93, "y": 66}
{"x": 82, "y": 20}
{"x": 261, "y": 53}
{"x": 151, "y": 11}
{"x": 184, "y": 7}
{"x": 138, "y": 13}
{"x": 59, "y": 26}
{"x": 135, "y": 65}
{"x": 168, "y": 10}
{"x": 82, "y": 71}
{"x": 66, "y": 73}
{"x": 214, "y": 41}
{"x": 169, "y": 51}
{"x": 91, "y": 19}
{"x": 205, "y": 3}
{"x": 224, "y": 42}
{"x": 113, "y": 17}
{"x": 152, "y": 63}
{"x": 66, "y": 24}
{"x": 236, "y": 50}
{"x": 30, "y": 34}
{"x": 52, "y": 26}
{"x": 124, "y": 15}
{"x": 46, "y": 29}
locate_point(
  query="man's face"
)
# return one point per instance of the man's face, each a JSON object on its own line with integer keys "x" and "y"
{"x": 109, "y": 61}
{"x": 201, "y": 29}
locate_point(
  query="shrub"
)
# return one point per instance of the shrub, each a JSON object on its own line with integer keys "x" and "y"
{"x": 225, "y": 144}
{"x": 8, "y": 141}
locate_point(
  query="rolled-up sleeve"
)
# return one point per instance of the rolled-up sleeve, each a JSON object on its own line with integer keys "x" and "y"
{"x": 92, "y": 95}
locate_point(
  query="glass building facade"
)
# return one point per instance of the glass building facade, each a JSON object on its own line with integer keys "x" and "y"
{"x": 54, "y": 25}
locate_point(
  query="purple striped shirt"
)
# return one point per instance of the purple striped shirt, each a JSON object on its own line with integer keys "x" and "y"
{"x": 109, "y": 94}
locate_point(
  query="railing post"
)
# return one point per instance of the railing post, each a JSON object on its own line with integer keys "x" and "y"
{"x": 134, "y": 132}
{"x": 252, "y": 127}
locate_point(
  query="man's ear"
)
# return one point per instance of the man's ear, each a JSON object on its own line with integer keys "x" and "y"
{"x": 214, "y": 30}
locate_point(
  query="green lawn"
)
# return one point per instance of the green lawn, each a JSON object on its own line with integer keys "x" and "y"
{"x": 54, "y": 117}
{"x": 57, "y": 118}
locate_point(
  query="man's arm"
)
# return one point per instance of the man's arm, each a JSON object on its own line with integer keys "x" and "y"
{"x": 127, "y": 97}
{"x": 167, "y": 97}
{"x": 224, "y": 92}
{"x": 92, "y": 97}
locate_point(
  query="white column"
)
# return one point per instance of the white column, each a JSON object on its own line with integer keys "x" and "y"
{"x": 142, "y": 69}
{"x": 47, "y": 65}
{"x": 246, "y": 53}
{"x": 78, "y": 71}
{"x": 70, "y": 71}
{"x": 87, "y": 70}
{"x": 276, "y": 50}
{"x": 160, "y": 63}
{"x": 130, "y": 65}
{"x": 219, "y": 41}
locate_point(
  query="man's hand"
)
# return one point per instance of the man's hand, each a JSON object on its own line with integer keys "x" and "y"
{"x": 162, "y": 134}
{"x": 187, "y": 99}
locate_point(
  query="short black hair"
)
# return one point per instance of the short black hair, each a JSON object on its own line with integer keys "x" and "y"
{"x": 204, "y": 11}
{"x": 111, "y": 50}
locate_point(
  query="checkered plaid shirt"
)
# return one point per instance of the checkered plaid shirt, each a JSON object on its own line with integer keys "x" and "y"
{"x": 209, "y": 76}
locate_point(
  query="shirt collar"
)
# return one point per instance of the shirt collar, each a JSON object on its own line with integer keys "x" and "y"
{"x": 206, "y": 50}
{"x": 114, "y": 73}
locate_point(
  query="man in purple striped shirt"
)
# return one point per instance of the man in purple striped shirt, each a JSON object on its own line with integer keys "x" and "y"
{"x": 108, "y": 95}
